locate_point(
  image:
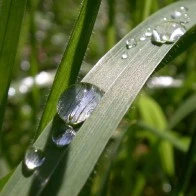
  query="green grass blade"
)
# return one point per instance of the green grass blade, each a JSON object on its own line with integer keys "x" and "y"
{"x": 186, "y": 108}
{"x": 69, "y": 67}
{"x": 187, "y": 168}
{"x": 11, "y": 17}
{"x": 121, "y": 79}
{"x": 153, "y": 116}
{"x": 168, "y": 136}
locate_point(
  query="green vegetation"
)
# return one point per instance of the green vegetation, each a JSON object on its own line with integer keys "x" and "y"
{"x": 136, "y": 142}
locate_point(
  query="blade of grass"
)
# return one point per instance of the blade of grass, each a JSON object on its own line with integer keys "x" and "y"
{"x": 11, "y": 17}
{"x": 122, "y": 83}
{"x": 153, "y": 116}
{"x": 188, "y": 106}
{"x": 69, "y": 67}
{"x": 168, "y": 136}
{"x": 187, "y": 168}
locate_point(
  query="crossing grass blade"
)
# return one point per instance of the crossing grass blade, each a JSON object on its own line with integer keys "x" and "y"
{"x": 69, "y": 67}
{"x": 11, "y": 17}
{"x": 187, "y": 107}
{"x": 121, "y": 79}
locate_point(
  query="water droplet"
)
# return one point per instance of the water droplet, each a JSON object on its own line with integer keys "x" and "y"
{"x": 164, "y": 19}
{"x": 176, "y": 14}
{"x": 142, "y": 38}
{"x": 184, "y": 19}
{"x": 63, "y": 136}
{"x": 130, "y": 43}
{"x": 167, "y": 32}
{"x": 183, "y": 9}
{"x": 124, "y": 56}
{"x": 148, "y": 32}
{"x": 34, "y": 158}
{"x": 77, "y": 103}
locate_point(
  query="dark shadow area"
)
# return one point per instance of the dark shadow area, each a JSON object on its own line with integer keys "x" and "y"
{"x": 53, "y": 167}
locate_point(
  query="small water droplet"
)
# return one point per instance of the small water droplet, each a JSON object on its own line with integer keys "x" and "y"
{"x": 164, "y": 19}
{"x": 131, "y": 43}
{"x": 176, "y": 14}
{"x": 124, "y": 56}
{"x": 142, "y": 38}
{"x": 148, "y": 32}
{"x": 34, "y": 158}
{"x": 183, "y": 9}
{"x": 184, "y": 19}
{"x": 167, "y": 32}
{"x": 63, "y": 136}
{"x": 77, "y": 103}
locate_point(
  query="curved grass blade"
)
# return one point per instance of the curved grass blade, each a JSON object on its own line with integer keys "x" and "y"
{"x": 187, "y": 107}
{"x": 122, "y": 83}
{"x": 11, "y": 17}
{"x": 153, "y": 115}
{"x": 72, "y": 59}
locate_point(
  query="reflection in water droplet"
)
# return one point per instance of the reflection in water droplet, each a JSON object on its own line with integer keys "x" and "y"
{"x": 184, "y": 19}
{"x": 148, "y": 32}
{"x": 167, "y": 32}
{"x": 77, "y": 102}
{"x": 142, "y": 38}
{"x": 63, "y": 136}
{"x": 34, "y": 158}
{"x": 124, "y": 56}
{"x": 130, "y": 43}
{"x": 183, "y": 9}
{"x": 164, "y": 19}
{"x": 176, "y": 14}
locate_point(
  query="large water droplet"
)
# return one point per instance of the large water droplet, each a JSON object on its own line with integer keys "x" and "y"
{"x": 130, "y": 43}
{"x": 63, "y": 136}
{"x": 167, "y": 32}
{"x": 124, "y": 56}
{"x": 34, "y": 158}
{"x": 77, "y": 102}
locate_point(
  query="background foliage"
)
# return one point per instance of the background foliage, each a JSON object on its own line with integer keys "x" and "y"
{"x": 133, "y": 162}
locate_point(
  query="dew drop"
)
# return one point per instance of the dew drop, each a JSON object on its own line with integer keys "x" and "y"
{"x": 34, "y": 158}
{"x": 148, "y": 32}
{"x": 124, "y": 56}
{"x": 184, "y": 19}
{"x": 77, "y": 103}
{"x": 142, "y": 38}
{"x": 63, "y": 136}
{"x": 176, "y": 14}
{"x": 164, "y": 19}
{"x": 131, "y": 43}
{"x": 167, "y": 32}
{"x": 183, "y": 9}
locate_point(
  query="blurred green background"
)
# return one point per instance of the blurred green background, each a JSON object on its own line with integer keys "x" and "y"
{"x": 137, "y": 161}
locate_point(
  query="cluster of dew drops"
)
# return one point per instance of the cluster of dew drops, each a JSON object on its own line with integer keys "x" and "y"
{"x": 74, "y": 106}
{"x": 77, "y": 102}
{"x": 169, "y": 30}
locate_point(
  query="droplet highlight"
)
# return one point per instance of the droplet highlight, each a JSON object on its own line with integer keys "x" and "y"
{"x": 142, "y": 38}
{"x": 77, "y": 103}
{"x": 63, "y": 136}
{"x": 148, "y": 32}
{"x": 176, "y": 14}
{"x": 167, "y": 32}
{"x": 131, "y": 43}
{"x": 124, "y": 56}
{"x": 34, "y": 158}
